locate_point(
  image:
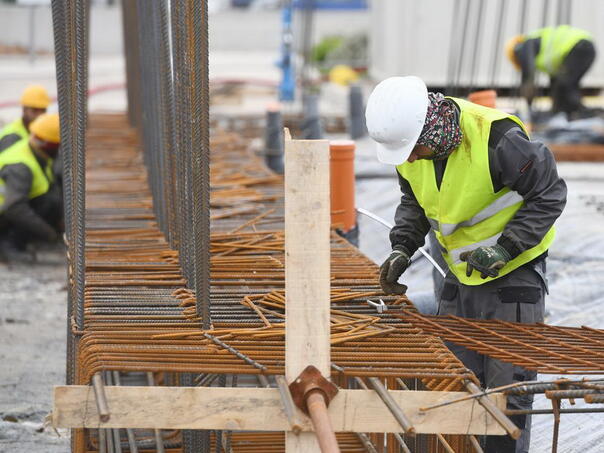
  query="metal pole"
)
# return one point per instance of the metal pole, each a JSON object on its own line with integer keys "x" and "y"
{"x": 100, "y": 398}
{"x": 453, "y": 47}
{"x": 523, "y": 17}
{"x": 545, "y": 13}
{"x": 498, "y": 44}
{"x": 159, "y": 438}
{"x": 32, "y": 34}
{"x": 392, "y": 406}
{"x": 129, "y": 431}
{"x": 477, "y": 43}
{"x": 560, "y": 7}
{"x": 495, "y": 412}
{"x": 307, "y": 29}
{"x": 462, "y": 46}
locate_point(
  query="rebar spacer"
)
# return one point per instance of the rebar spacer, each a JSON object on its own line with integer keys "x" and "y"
{"x": 308, "y": 381}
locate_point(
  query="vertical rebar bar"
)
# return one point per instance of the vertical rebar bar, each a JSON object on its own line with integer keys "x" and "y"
{"x": 200, "y": 142}
{"x": 78, "y": 137}
{"x": 130, "y": 27}
{"x": 168, "y": 120}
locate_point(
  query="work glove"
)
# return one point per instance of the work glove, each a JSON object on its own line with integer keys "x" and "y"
{"x": 392, "y": 269}
{"x": 486, "y": 260}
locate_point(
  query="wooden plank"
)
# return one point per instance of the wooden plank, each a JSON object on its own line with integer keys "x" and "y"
{"x": 577, "y": 152}
{"x": 307, "y": 266}
{"x": 260, "y": 409}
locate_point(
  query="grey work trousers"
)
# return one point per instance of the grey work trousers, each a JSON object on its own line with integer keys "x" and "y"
{"x": 516, "y": 297}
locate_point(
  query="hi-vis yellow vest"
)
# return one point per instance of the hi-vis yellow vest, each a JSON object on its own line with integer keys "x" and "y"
{"x": 466, "y": 213}
{"x": 21, "y": 153}
{"x": 556, "y": 43}
{"x": 16, "y": 127}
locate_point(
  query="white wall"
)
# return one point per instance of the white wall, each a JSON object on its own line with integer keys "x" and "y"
{"x": 105, "y": 32}
{"x": 237, "y": 30}
{"x": 413, "y": 37}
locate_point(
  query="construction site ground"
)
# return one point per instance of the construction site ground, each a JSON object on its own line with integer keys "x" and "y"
{"x": 33, "y": 298}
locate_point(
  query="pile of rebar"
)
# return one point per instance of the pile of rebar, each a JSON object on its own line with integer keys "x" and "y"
{"x": 140, "y": 313}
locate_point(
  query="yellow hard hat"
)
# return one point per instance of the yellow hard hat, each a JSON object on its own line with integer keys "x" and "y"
{"x": 509, "y": 49}
{"x": 47, "y": 127}
{"x": 342, "y": 75}
{"x": 35, "y": 96}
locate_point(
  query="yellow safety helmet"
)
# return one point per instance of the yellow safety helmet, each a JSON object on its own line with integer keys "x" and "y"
{"x": 342, "y": 75}
{"x": 509, "y": 49}
{"x": 47, "y": 127}
{"x": 35, "y": 96}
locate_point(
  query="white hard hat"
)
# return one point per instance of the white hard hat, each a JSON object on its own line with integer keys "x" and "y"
{"x": 395, "y": 114}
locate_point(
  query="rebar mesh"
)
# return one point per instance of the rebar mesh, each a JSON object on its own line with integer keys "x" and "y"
{"x": 539, "y": 347}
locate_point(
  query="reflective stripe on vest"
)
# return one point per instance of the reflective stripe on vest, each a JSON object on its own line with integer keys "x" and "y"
{"x": 507, "y": 200}
{"x": 21, "y": 153}
{"x": 16, "y": 127}
{"x": 465, "y": 212}
{"x": 556, "y": 43}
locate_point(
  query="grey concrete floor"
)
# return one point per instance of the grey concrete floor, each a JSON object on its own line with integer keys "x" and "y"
{"x": 32, "y": 352}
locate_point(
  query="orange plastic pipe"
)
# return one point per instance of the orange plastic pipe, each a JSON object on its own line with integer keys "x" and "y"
{"x": 486, "y": 98}
{"x": 317, "y": 409}
{"x": 342, "y": 184}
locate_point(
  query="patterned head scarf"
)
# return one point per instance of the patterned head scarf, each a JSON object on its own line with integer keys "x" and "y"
{"x": 441, "y": 132}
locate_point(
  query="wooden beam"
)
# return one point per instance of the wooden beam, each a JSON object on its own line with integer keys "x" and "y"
{"x": 261, "y": 409}
{"x": 307, "y": 266}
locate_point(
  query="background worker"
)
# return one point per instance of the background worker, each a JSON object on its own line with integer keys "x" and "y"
{"x": 35, "y": 101}
{"x": 30, "y": 204}
{"x": 564, "y": 53}
{"x": 491, "y": 196}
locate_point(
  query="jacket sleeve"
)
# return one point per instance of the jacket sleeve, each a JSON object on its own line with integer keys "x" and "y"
{"x": 410, "y": 222}
{"x": 9, "y": 140}
{"x": 529, "y": 168}
{"x": 18, "y": 180}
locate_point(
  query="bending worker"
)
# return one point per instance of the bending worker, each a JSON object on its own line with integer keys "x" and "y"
{"x": 30, "y": 204}
{"x": 564, "y": 53}
{"x": 491, "y": 196}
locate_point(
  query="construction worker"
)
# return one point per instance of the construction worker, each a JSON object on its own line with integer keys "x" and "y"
{"x": 30, "y": 204}
{"x": 564, "y": 53}
{"x": 35, "y": 101}
{"x": 491, "y": 196}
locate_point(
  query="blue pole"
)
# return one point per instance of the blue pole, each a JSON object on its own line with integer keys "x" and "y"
{"x": 287, "y": 86}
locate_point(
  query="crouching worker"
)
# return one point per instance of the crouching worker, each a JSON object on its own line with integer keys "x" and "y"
{"x": 30, "y": 203}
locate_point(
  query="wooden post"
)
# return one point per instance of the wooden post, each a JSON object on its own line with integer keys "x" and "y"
{"x": 307, "y": 266}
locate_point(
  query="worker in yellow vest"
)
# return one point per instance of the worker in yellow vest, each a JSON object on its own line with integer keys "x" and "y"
{"x": 490, "y": 194}
{"x": 564, "y": 53}
{"x": 35, "y": 101}
{"x": 30, "y": 204}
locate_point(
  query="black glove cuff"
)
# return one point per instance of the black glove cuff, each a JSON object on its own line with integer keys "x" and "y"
{"x": 510, "y": 246}
{"x": 402, "y": 248}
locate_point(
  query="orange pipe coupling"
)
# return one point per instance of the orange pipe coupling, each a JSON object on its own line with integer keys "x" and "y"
{"x": 486, "y": 98}
{"x": 342, "y": 184}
